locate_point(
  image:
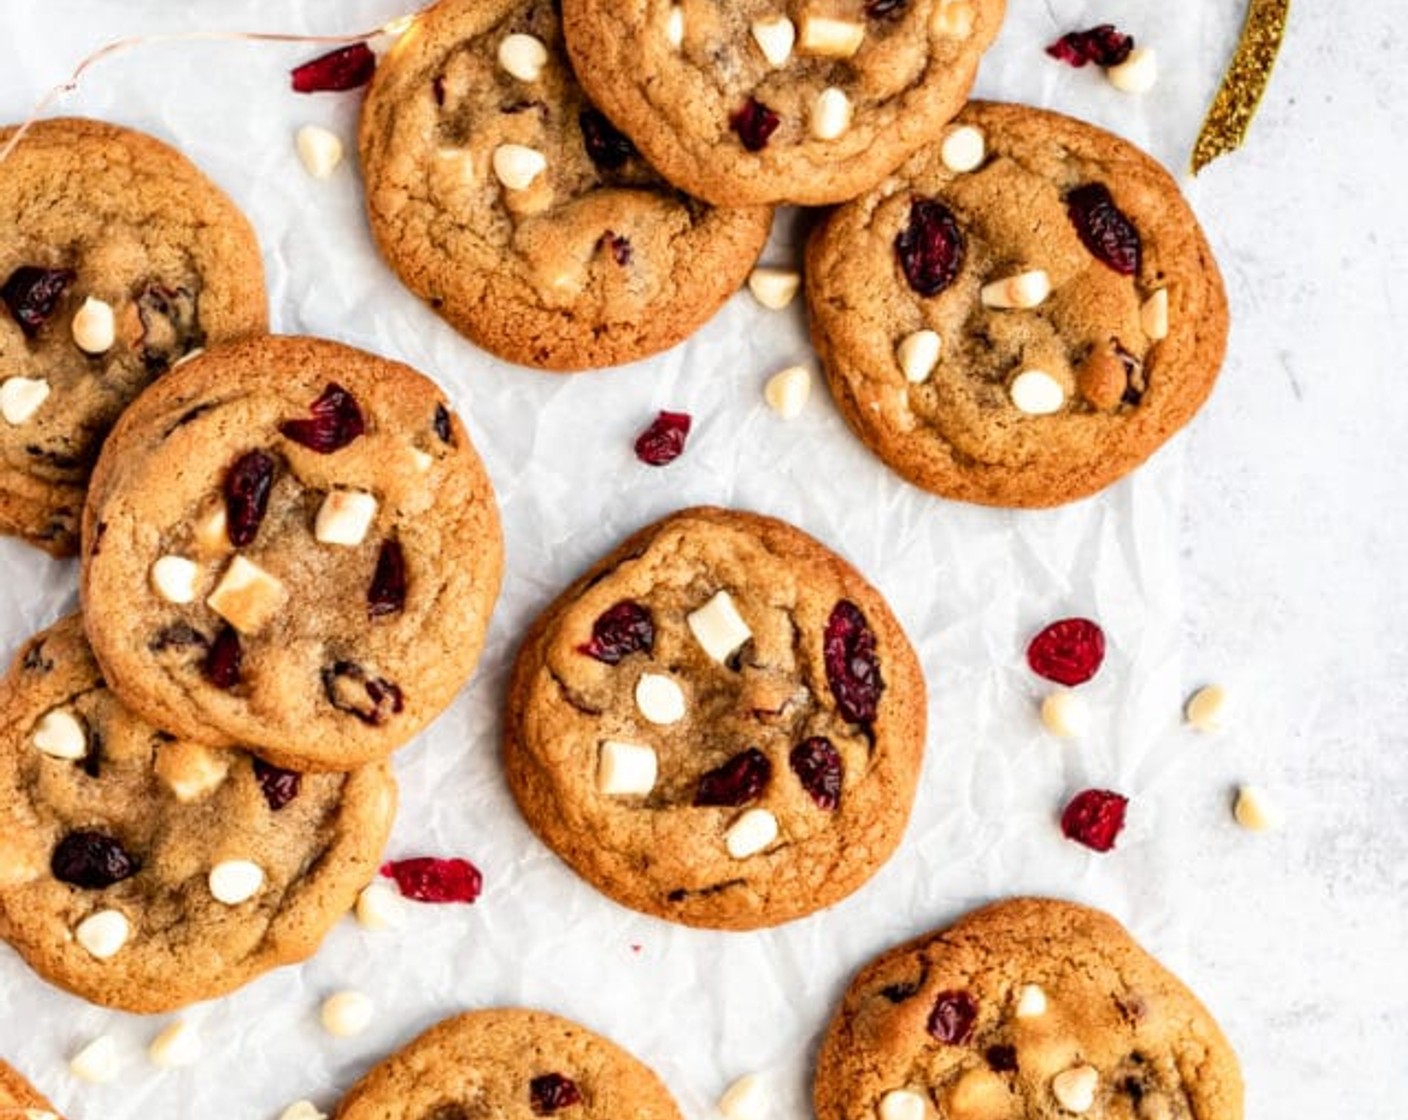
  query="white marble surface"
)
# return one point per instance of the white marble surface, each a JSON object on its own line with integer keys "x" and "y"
{"x": 1263, "y": 549}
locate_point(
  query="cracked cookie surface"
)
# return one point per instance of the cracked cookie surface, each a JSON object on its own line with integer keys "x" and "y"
{"x": 721, "y": 723}
{"x": 1024, "y": 332}
{"x": 93, "y": 212}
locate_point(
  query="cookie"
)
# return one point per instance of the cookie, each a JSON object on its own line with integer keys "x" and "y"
{"x": 19, "y": 1101}
{"x": 721, "y": 723}
{"x": 292, "y": 544}
{"x": 117, "y": 258}
{"x": 513, "y": 1065}
{"x": 1022, "y": 314}
{"x": 144, "y": 871}
{"x": 755, "y": 102}
{"x": 502, "y": 198}
{"x": 1026, "y": 1008}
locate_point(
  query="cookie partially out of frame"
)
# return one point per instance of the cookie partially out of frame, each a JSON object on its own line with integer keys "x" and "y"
{"x": 721, "y": 723}
{"x": 1020, "y": 315}
{"x": 19, "y": 1100}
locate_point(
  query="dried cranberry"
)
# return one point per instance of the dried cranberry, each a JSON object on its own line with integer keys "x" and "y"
{"x": 663, "y": 442}
{"x": 442, "y": 424}
{"x": 1068, "y": 652}
{"x": 91, "y": 860}
{"x": 885, "y": 9}
{"x": 755, "y": 123}
{"x": 852, "y": 668}
{"x": 428, "y": 879}
{"x": 930, "y": 247}
{"x": 344, "y": 68}
{"x": 351, "y": 689}
{"x": 620, "y": 631}
{"x": 222, "y": 662}
{"x": 336, "y": 422}
{"x": 1103, "y": 45}
{"x": 620, "y": 247}
{"x": 818, "y": 768}
{"x": 280, "y": 786}
{"x": 1094, "y": 818}
{"x": 1002, "y": 1059}
{"x": 737, "y": 782}
{"x": 247, "y": 487}
{"x": 1103, "y": 228}
{"x": 953, "y": 1016}
{"x": 32, "y": 294}
{"x": 606, "y": 146}
{"x": 552, "y": 1092}
{"x": 387, "y": 594}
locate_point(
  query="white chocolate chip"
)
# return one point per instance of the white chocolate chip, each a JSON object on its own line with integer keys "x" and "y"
{"x": 918, "y": 354}
{"x": 830, "y": 37}
{"x": 61, "y": 734}
{"x": 1255, "y": 811}
{"x": 1153, "y": 315}
{"x": 774, "y": 288}
{"x": 347, "y": 1013}
{"x": 660, "y": 699}
{"x": 1074, "y": 1089}
{"x": 1023, "y": 290}
{"x": 94, "y": 326}
{"x": 247, "y": 596}
{"x": 174, "y": 578}
{"x": 952, "y": 19}
{"x": 775, "y": 37}
{"x": 1066, "y": 715}
{"x": 751, "y": 833}
{"x": 303, "y": 1110}
{"x": 523, "y": 56}
{"x": 21, "y": 397}
{"x": 345, "y": 517}
{"x": 380, "y": 907}
{"x": 1031, "y": 1003}
{"x": 1138, "y": 73}
{"x": 191, "y": 771}
{"x": 901, "y": 1104}
{"x": 787, "y": 391}
{"x": 96, "y": 1063}
{"x": 746, "y": 1099}
{"x": 104, "y": 933}
{"x": 718, "y": 627}
{"x": 831, "y": 115}
{"x": 421, "y": 460}
{"x": 234, "y": 881}
{"x": 674, "y": 27}
{"x": 212, "y": 531}
{"x": 517, "y": 166}
{"x": 964, "y": 149}
{"x": 1206, "y": 708}
{"x": 1037, "y": 393}
{"x": 626, "y": 769}
{"x": 319, "y": 150}
{"x": 178, "y": 1045}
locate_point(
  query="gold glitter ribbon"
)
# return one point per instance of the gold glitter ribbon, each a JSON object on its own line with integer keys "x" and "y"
{"x": 1225, "y": 127}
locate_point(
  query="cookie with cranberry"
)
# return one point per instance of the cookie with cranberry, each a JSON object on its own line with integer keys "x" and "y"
{"x": 19, "y": 1100}
{"x": 292, "y": 544}
{"x": 1025, "y": 1008}
{"x": 117, "y": 258}
{"x": 1022, "y": 314}
{"x": 721, "y": 723}
{"x": 505, "y": 200}
{"x": 145, "y": 871}
{"x": 759, "y": 102}
{"x": 513, "y": 1065}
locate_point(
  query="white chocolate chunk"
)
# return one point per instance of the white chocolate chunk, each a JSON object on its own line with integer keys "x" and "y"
{"x": 901, "y": 1104}
{"x": 178, "y": 1045}
{"x": 1022, "y": 291}
{"x": 718, "y": 627}
{"x": 751, "y": 833}
{"x": 775, "y": 37}
{"x": 380, "y": 907}
{"x": 61, "y": 734}
{"x": 211, "y": 532}
{"x": 303, "y": 1110}
{"x": 774, "y": 288}
{"x": 1206, "y": 708}
{"x": 746, "y": 1099}
{"x": 1153, "y": 315}
{"x": 1255, "y": 811}
{"x": 626, "y": 769}
{"x": 1031, "y": 1003}
{"x": 660, "y": 699}
{"x": 1074, "y": 1089}
{"x": 21, "y": 398}
{"x": 345, "y": 517}
{"x": 831, "y": 115}
{"x": 247, "y": 596}
{"x": 104, "y": 933}
{"x": 38, "y": 1114}
{"x": 191, "y": 771}
{"x": 1037, "y": 393}
{"x": 517, "y": 165}
{"x": 234, "y": 881}
{"x": 1066, "y": 715}
{"x": 787, "y": 391}
{"x": 174, "y": 579}
{"x": 94, "y": 326}
{"x": 319, "y": 150}
{"x": 964, "y": 149}
{"x": 96, "y": 1063}
{"x": 1138, "y": 73}
{"x": 523, "y": 56}
{"x": 830, "y": 37}
{"x": 952, "y": 19}
{"x": 345, "y": 1014}
{"x": 674, "y": 27}
{"x": 421, "y": 460}
{"x": 918, "y": 354}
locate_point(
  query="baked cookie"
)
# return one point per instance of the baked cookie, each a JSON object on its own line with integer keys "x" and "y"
{"x": 721, "y": 723}
{"x": 500, "y": 196}
{"x": 1025, "y": 1009}
{"x": 1022, "y": 314}
{"x": 512, "y": 1065}
{"x": 144, "y": 871}
{"x": 761, "y": 102}
{"x": 19, "y": 1101}
{"x": 292, "y": 544}
{"x": 117, "y": 258}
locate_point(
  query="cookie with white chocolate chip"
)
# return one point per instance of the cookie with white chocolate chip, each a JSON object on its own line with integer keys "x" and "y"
{"x": 292, "y": 544}
{"x": 144, "y": 871}
{"x": 721, "y": 723}
{"x": 19, "y": 1100}
{"x": 1024, "y": 1009}
{"x": 117, "y": 258}
{"x": 1022, "y": 314}
{"x": 504, "y": 199}
{"x": 761, "y": 102}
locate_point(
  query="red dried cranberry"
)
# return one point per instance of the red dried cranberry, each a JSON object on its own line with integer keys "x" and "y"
{"x": 755, "y": 123}
{"x": 442, "y": 424}
{"x": 953, "y": 1016}
{"x": 930, "y": 247}
{"x": 428, "y": 879}
{"x": 663, "y": 442}
{"x": 387, "y": 594}
{"x": 620, "y": 631}
{"x": 351, "y": 689}
{"x": 852, "y": 667}
{"x": 737, "y": 782}
{"x": 619, "y": 247}
{"x": 344, "y": 68}
{"x": 885, "y": 9}
{"x": 1103, "y": 45}
{"x": 552, "y": 1092}
{"x": 1103, "y": 228}
{"x": 280, "y": 786}
{"x": 818, "y": 768}
{"x": 1068, "y": 652}
{"x": 606, "y": 146}
{"x": 247, "y": 487}
{"x": 335, "y": 423}
{"x": 32, "y": 294}
{"x": 1002, "y": 1059}
{"x": 91, "y": 860}
{"x": 222, "y": 661}
{"x": 1094, "y": 818}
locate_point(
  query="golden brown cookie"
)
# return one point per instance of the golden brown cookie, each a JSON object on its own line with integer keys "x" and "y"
{"x": 721, "y": 723}
{"x": 18, "y": 1099}
{"x": 1020, "y": 315}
